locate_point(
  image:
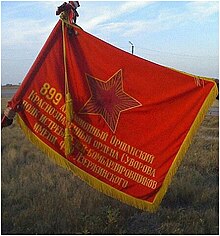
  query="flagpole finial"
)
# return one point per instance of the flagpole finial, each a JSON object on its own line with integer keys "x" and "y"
{"x": 67, "y": 11}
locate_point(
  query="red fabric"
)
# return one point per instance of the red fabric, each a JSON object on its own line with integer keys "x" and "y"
{"x": 131, "y": 115}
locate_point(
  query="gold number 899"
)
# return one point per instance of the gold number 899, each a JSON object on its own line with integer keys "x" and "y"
{"x": 50, "y": 93}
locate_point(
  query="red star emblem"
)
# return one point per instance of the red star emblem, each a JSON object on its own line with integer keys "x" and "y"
{"x": 108, "y": 99}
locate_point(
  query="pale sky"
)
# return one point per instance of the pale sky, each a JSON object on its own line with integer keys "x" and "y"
{"x": 179, "y": 34}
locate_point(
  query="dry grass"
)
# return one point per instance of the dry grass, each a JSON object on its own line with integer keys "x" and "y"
{"x": 39, "y": 197}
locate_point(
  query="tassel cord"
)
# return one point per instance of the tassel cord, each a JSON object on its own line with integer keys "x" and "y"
{"x": 68, "y": 101}
{"x": 64, "y": 59}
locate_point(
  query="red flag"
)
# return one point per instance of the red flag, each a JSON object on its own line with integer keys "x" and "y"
{"x": 132, "y": 119}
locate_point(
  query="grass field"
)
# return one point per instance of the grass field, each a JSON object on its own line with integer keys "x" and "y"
{"x": 39, "y": 197}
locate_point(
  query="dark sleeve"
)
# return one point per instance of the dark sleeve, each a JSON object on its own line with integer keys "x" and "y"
{"x": 5, "y": 121}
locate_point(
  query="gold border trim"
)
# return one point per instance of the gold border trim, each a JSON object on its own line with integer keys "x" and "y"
{"x": 110, "y": 191}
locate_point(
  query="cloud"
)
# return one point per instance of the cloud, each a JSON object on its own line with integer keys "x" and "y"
{"x": 132, "y": 6}
{"x": 26, "y": 29}
{"x": 25, "y": 33}
{"x": 26, "y": 25}
{"x": 51, "y": 4}
{"x": 165, "y": 19}
{"x": 200, "y": 10}
{"x": 113, "y": 12}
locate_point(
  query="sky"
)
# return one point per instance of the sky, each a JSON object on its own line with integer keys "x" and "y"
{"x": 179, "y": 34}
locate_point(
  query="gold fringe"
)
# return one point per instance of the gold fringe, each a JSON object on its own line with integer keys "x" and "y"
{"x": 186, "y": 143}
{"x": 69, "y": 107}
{"x": 92, "y": 181}
{"x": 110, "y": 191}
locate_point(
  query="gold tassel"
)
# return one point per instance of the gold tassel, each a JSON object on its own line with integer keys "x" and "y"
{"x": 69, "y": 107}
{"x": 68, "y": 141}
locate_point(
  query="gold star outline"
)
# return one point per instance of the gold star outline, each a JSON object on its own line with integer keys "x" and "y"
{"x": 108, "y": 99}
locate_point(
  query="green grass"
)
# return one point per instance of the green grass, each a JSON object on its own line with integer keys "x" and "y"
{"x": 39, "y": 197}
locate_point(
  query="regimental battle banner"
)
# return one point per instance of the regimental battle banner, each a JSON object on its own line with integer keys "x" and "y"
{"x": 132, "y": 119}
